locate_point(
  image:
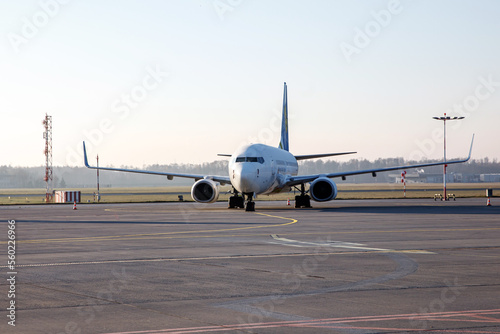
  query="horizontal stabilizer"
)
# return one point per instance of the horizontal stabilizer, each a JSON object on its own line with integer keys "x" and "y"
{"x": 315, "y": 156}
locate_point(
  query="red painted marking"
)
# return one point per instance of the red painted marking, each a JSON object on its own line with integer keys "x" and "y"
{"x": 472, "y": 316}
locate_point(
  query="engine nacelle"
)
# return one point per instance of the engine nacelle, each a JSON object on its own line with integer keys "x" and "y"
{"x": 323, "y": 189}
{"x": 205, "y": 191}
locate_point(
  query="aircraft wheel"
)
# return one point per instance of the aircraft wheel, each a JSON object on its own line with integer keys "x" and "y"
{"x": 250, "y": 206}
{"x": 302, "y": 201}
{"x": 307, "y": 202}
{"x": 298, "y": 202}
{"x": 236, "y": 202}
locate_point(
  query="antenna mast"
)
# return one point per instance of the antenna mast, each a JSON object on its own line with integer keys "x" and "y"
{"x": 47, "y": 135}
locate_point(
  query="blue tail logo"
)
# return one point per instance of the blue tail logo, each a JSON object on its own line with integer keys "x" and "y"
{"x": 284, "y": 123}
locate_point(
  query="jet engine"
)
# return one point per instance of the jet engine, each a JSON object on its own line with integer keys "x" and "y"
{"x": 323, "y": 189}
{"x": 205, "y": 191}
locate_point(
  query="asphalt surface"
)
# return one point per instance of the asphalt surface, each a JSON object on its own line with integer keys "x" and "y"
{"x": 371, "y": 266}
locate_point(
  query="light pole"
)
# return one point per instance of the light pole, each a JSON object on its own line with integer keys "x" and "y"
{"x": 98, "y": 195}
{"x": 444, "y": 119}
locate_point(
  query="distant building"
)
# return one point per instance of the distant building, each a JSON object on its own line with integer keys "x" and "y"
{"x": 450, "y": 178}
{"x": 489, "y": 177}
{"x": 64, "y": 196}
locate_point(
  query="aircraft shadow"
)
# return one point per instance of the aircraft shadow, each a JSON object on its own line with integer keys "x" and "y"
{"x": 411, "y": 209}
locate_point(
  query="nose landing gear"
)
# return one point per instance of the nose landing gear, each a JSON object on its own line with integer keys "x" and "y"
{"x": 237, "y": 201}
{"x": 250, "y": 206}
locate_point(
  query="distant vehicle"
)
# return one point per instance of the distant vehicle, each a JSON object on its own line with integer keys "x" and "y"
{"x": 259, "y": 169}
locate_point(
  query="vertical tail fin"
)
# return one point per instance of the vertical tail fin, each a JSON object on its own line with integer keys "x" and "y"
{"x": 284, "y": 123}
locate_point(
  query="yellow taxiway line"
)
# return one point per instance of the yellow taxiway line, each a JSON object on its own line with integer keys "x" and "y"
{"x": 162, "y": 234}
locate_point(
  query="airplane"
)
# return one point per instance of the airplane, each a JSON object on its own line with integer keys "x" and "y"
{"x": 258, "y": 169}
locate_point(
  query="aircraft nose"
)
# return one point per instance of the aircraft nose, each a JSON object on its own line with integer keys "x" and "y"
{"x": 244, "y": 179}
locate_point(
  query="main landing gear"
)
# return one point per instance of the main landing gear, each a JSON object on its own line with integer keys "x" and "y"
{"x": 302, "y": 200}
{"x": 237, "y": 201}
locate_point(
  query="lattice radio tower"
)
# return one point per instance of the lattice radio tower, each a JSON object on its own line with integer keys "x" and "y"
{"x": 47, "y": 135}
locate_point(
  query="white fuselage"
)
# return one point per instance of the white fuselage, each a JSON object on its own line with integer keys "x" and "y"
{"x": 261, "y": 169}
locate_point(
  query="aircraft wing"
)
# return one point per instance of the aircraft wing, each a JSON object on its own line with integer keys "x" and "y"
{"x": 295, "y": 180}
{"x": 315, "y": 156}
{"x": 221, "y": 179}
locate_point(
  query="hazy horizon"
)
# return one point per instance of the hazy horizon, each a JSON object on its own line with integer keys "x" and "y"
{"x": 93, "y": 163}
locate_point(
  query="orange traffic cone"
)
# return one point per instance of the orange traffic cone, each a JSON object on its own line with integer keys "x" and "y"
{"x": 288, "y": 201}
{"x": 488, "y": 203}
{"x": 74, "y": 205}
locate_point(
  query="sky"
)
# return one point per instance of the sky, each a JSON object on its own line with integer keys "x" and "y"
{"x": 156, "y": 81}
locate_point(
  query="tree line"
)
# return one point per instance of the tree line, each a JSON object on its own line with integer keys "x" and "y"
{"x": 81, "y": 177}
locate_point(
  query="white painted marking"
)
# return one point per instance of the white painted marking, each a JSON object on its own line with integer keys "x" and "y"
{"x": 337, "y": 244}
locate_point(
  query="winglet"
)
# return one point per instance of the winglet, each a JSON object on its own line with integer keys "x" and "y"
{"x": 470, "y": 151}
{"x": 86, "y": 162}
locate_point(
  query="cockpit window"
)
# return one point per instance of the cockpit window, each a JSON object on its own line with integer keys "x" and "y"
{"x": 250, "y": 159}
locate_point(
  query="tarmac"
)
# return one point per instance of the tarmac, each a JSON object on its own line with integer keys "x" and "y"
{"x": 346, "y": 266}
